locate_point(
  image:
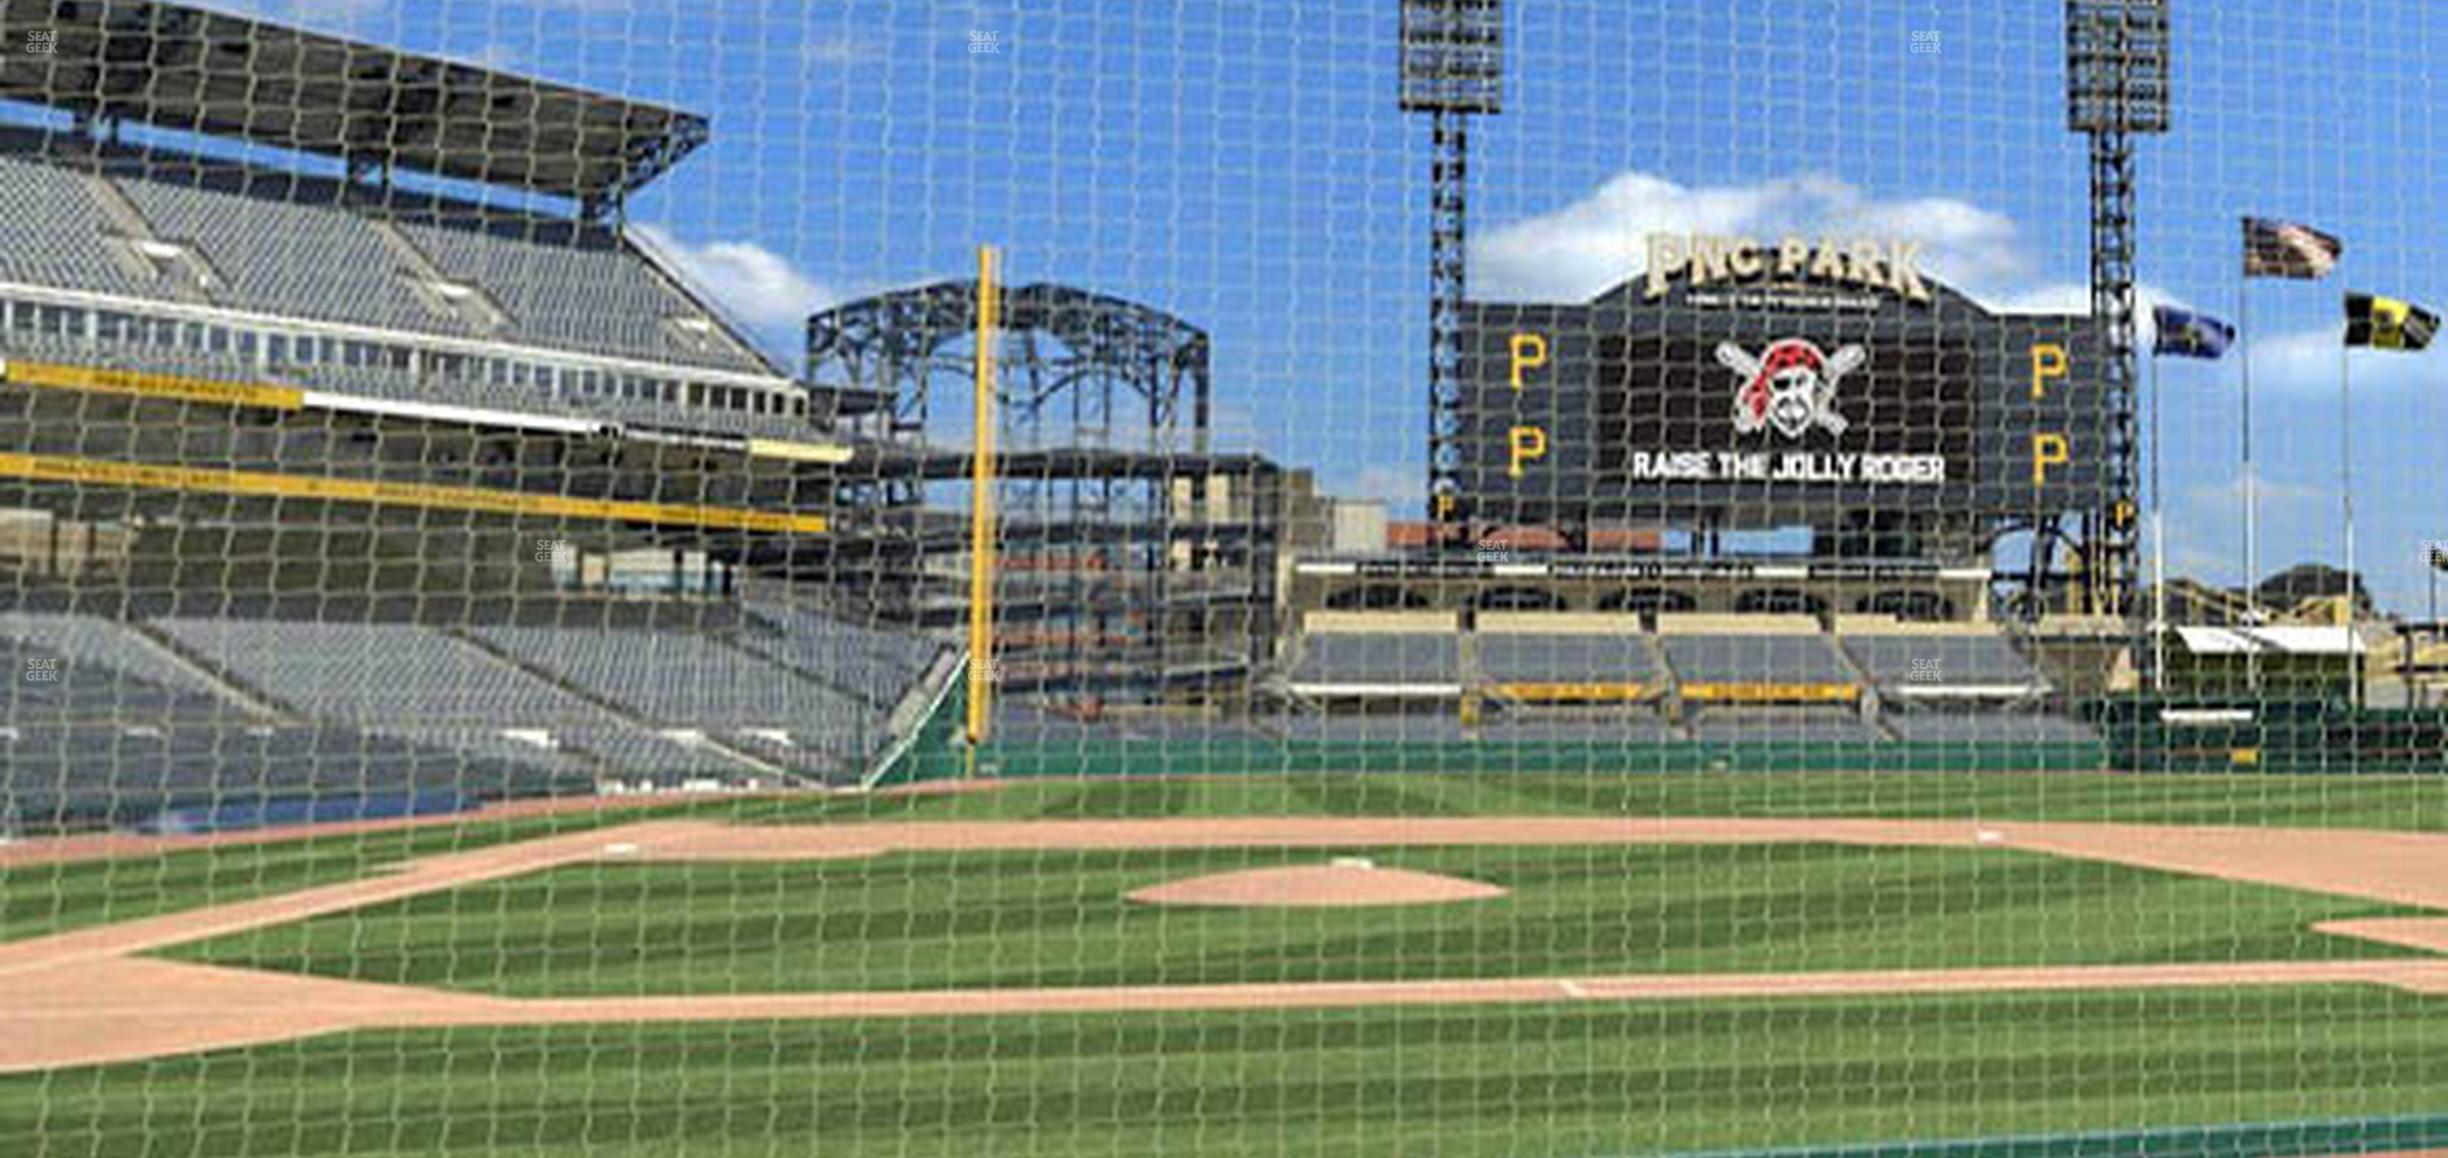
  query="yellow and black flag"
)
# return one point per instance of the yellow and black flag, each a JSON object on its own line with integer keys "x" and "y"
{"x": 2388, "y": 323}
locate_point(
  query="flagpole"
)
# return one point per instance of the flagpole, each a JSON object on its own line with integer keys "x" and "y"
{"x": 2252, "y": 546}
{"x": 2354, "y": 662}
{"x": 2252, "y": 492}
{"x": 2158, "y": 537}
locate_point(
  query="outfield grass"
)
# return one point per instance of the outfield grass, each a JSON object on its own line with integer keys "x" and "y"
{"x": 41, "y": 899}
{"x": 2413, "y": 803}
{"x": 934, "y": 920}
{"x": 1503, "y": 1082}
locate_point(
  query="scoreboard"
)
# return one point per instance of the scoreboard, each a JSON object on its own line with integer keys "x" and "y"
{"x": 1757, "y": 385}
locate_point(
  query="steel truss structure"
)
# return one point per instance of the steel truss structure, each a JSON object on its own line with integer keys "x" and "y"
{"x": 1452, "y": 70}
{"x": 2116, "y": 89}
{"x": 1136, "y": 566}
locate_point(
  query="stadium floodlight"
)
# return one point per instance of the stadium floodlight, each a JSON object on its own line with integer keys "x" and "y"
{"x": 1453, "y": 56}
{"x": 2117, "y": 66}
{"x": 2116, "y": 87}
{"x": 1453, "y": 70}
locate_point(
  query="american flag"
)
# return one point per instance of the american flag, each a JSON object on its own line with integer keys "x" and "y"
{"x": 2286, "y": 249}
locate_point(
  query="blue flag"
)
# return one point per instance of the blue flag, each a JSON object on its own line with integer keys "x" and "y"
{"x": 2189, "y": 335}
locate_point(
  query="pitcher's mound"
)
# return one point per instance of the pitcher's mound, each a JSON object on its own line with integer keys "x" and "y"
{"x": 1346, "y": 882}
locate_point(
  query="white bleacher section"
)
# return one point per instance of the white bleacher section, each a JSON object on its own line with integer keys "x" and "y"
{"x": 55, "y": 777}
{"x": 1571, "y": 677}
{"x": 276, "y": 256}
{"x": 1393, "y": 655}
{"x": 288, "y": 253}
{"x": 1955, "y": 683}
{"x": 105, "y": 726}
{"x": 1938, "y": 661}
{"x": 654, "y": 705}
{"x": 694, "y": 683}
{"x": 398, "y": 679}
{"x": 288, "y": 242}
{"x": 55, "y": 680}
{"x": 1754, "y": 659}
{"x": 107, "y": 643}
{"x": 1705, "y": 677}
{"x": 1566, "y": 657}
{"x": 52, "y": 233}
{"x": 879, "y": 667}
{"x": 581, "y": 288}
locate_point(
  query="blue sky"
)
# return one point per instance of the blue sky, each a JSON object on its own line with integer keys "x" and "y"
{"x": 1242, "y": 164}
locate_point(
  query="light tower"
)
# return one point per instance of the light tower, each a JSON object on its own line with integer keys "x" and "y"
{"x": 2116, "y": 89}
{"x": 1452, "y": 70}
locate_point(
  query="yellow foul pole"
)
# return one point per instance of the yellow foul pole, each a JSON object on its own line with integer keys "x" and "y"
{"x": 981, "y": 508}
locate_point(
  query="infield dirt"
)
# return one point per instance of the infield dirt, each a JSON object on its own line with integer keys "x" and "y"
{"x": 86, "y": 996}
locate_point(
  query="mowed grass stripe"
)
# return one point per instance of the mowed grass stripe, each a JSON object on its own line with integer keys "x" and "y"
{"x": 1520, "y": 1080}
{"x": 1388, "y": 796}
{"x": 41, "y": 899}
{"x": 2405, "y": 803}
{"x": 1040, "y": 919}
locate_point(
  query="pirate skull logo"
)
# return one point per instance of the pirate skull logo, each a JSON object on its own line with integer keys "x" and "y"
{"x": 1791, "y": 386}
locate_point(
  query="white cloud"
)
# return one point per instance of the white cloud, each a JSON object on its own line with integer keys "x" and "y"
{"x": 1590, "y": 245}
{"x": 2307, "y": 361}
{"x": 753, "y": 284}
{"x": 2229, "y": 489}
{"x": 338, "y": 16}
{"x": 499, "y": 56}
{"x": 1573, "y": 253}
{"x": 2059, "y": 297}
{"x": 838, "y": 49}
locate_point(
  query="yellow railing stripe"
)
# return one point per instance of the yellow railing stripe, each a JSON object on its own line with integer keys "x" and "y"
{"x": 1585, "y": 693}
{"x": 1753, "y": 693}
{"x": 97, "y": 380}
{"x": 98, "y": 472}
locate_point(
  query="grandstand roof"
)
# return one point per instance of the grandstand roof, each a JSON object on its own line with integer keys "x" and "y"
{"x": 919, "y": 319}
{"x": 2268, "y": 640}
{"x": 197, "y": 70}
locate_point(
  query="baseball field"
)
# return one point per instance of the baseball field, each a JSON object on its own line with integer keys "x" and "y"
{"x": 1327, "y": 965}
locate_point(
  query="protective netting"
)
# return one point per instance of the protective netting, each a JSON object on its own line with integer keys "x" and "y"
{"x": 637, "y": 577}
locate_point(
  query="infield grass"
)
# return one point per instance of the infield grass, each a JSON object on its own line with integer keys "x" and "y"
{"x": 49, "y": 898}
{"x": 44, "y": 898}
{"x": 1031, "y": 919}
